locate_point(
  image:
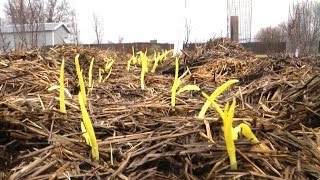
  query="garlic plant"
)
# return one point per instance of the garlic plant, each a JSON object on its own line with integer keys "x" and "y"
{"x": 230, "y": 133}
{"x": 177, "y": 83}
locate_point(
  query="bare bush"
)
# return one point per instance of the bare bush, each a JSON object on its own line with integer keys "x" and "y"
{"x": 98, "y": 27}
{"x": 74, "y": 28}
{"x": 271, "y": 35}
{"x": 4, "y": 42}
{"x": 303, "y": 28}
{"x": 187, "y": 31}
{"x": 120, "y": 39}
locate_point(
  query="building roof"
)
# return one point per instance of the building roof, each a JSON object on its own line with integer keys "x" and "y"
{"x": 47, "y": 27}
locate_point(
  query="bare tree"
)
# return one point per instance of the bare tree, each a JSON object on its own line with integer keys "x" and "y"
{"x": 98, "y": 27}
{"x": 303, "y": 27}
{"x": 271, "y": 35}
{"x": 187, "y": 30}
{"x": 74, "y": 28}
{"x": 120, "y": 39}
{"x": 58, "y": 11}
{"x": 4, "y": 42}
{"x": 36, "y": 21}
{"x": 28, "y": 18}
{"x": 50, "y": 9}
{"x": 272, "y": 39}
{"x": 16, "y": 11}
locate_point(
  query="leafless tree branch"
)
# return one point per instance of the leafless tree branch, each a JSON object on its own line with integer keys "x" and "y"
{"x": 4, "y": 42}
{"x": 28, "y": 18}
{"x": 187, "y": 30}
{"x": 98, "y": 27}
{"x": 303, "y": 27}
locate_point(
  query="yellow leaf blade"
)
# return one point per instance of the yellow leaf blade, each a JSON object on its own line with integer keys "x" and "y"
{"x": 246, "y": 132}
{"x": 214, "y": 95}
{"x": 188, "y": 88}
{"x": 176, "y": 84}
{"x": 85, "y": 134}
{"x": 89, "y": 128}
{"x": 144, "y": 68}
{"x": 109, "y": 64}
{"x": 227, "y": 117}
{"x": 228, "y": 135}
{"x": 215, "y": 105}
{"x": 128, "y": 65}
{"x": 107, "y": 75}
{"x": 90, "y": 73}
{"x": 81, "y": 82}
{"x": 100, "y": 75}
{"x": 235, "y": 132}
{"x": 61, "y": 82}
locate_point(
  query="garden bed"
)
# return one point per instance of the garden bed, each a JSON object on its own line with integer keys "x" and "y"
{"x": 140, "y": 136}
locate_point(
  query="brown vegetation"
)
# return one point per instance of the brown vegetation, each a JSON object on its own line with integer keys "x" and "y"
{"x": 138, "y": 134}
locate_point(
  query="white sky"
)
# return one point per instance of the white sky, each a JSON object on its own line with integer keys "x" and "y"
{"x": 143, "y": 20}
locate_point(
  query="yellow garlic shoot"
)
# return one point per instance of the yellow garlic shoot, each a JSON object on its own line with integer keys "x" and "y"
{"x": 214, "y": 95}
{"x": 90, "y": 73}
{"x": 61, "y": 82}
{"x": 81, "y": 82}
{"x": 92, "y": 141}
{"x": 177, "y": 83}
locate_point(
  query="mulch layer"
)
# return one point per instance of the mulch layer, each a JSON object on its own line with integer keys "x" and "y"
{"x": 140, "y": 136}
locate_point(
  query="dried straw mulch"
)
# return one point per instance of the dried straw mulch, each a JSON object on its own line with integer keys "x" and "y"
{"x": 140, "y": 137}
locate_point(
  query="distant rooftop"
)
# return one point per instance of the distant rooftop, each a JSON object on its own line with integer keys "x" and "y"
{"x": 47, "y": 27}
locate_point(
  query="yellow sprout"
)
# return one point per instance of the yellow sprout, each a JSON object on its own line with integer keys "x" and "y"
{"x": 245, "y": 130}
{"x": 100, "y": 75}
{"x": 81, "y": 82}
{"x": 128, "y": 65}
{"x": 61, "y": 81}
{"x": 188, "y": 88}
{"x": 133, "y": 59}
{"x": 227, "y": 117}
{"x": 90, "y": 73}
{"x": 177, "y": 83}
{"x": 159, "y": 58}
{"x": 144, "y": 67}
{"x": 230, "y": 133}
{"x": 89, "y": 129}
{"x": 156, "y": 60}
{"x": 108, "y": 64}
{"x": 107, "y": 75}
{"x": 214, "y": 95}
{"x": 107, "y": 68}
{"x": 166, "y": 53}
{"x": 85, "y": 134}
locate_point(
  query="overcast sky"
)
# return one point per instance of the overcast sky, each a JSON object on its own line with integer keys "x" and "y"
{"x": 143, "y": 20}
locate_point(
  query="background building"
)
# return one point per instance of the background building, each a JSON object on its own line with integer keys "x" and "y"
{"x": 46, "y": 34}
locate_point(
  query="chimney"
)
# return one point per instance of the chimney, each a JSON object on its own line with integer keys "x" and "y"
{"x": 234, "y": 24}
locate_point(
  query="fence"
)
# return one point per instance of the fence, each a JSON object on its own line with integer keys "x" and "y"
{"x": 255, "y": 47}
{"x": 265, "y": 48}
{"x": 127, "y": 47}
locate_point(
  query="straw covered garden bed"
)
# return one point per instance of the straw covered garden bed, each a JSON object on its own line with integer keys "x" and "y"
{"x": 138, "y": 133}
